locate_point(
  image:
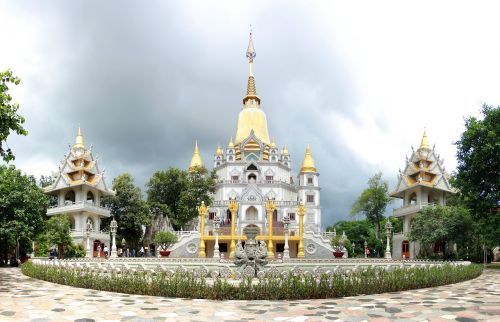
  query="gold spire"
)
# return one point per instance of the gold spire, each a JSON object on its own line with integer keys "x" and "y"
{"x": 231, "y": 143}
{"x": 424, "y": 144}
{"x": 79, "y": 139}
{"x": 218, "y": 151}
{"x": 196, "y": 159}
{"x": 308, "y": 163}
{"x": 284, "y": 151}
{"x": 251, "y": 90}
{"x": 273, "y": 144}
{"x": 251, "y": 117}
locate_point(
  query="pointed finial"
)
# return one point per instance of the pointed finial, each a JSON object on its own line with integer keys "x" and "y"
{"x": 79, "y": 143}
{"x": 308, "y": 163}
{"x": 231, "y": 143}
{"x": 196, "y": 159}
{"x": 424, "y": 144}
{"x": 273, "y": 144}
{"x": 250, "y": 50}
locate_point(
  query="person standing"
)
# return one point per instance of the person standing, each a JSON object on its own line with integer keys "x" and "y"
{"x": 106, "y": 251}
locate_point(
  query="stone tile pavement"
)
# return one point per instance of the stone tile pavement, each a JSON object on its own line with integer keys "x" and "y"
{"x": 26, "y": 299}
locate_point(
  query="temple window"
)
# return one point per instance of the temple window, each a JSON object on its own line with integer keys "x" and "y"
{"x": 269, "y": 178}
{"x": 211, "y": 215}
{"x": 235, "y": 178}
{"x": 291, "y": 215}
{"x": 310, "y": 198}
{"x": 90, "y": 197}
{"x": 309, "y": 180}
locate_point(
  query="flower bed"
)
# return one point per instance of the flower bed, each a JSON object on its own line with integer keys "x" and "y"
{"x": 268, "y": 287}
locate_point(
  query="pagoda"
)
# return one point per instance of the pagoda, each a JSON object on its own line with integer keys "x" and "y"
{"x": 253, "y": 171}
{"x": 79, "y": 186}
{"x": 424, "y": 182}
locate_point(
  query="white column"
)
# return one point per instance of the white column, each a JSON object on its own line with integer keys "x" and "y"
{"x": 216, "y": 247}
{"x": 113, "y": 246}
{"x": 286, "y": 251}
{"x": 88, "y": 246}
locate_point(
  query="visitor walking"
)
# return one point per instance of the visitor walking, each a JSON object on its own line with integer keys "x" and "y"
{"x": 141, "y": 252}
{"x": 106, "y": 251}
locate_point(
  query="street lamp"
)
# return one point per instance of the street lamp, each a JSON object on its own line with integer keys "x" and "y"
{"x": 216, "y": 224}
{"x": 88, "y": 230}
{"x": 353, "y": 245}
{"x": 388, "y": 231}
{"x": 286, "y": 225}
{"x": 113, "y": 226}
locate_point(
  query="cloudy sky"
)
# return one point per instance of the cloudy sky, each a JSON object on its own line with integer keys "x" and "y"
{"x": 359, "y": 82}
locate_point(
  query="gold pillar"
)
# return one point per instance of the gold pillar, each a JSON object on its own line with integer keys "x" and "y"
{"x": 233, "y": 208}
{"x": 301, "y": 211}
{"x": 270, "y": 207}
{"x": 202, "y": 211}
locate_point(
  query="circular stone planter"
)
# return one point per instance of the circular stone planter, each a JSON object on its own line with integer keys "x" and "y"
{"x": 165, "y": 253}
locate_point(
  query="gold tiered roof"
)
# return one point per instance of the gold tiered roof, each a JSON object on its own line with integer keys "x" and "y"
{"x": 308, "y": 162}
{"x": 196, "y": 160}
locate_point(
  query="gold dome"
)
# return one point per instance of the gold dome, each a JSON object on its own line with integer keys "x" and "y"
{"x": 79, "y": 140}
{"x": 219, "y": 151}
{"x": 196, "y": 159}
{"x": 284, "y": 151}
{"x": 424, "y": 144}
{"x": 308, "y": 163}
{"x": 273, "y": 144}
{"x": 231, "y": 143}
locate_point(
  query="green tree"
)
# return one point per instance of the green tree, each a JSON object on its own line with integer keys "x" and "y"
{"x": 373, "y": 201}
{"x": 443, "y": 224}
{"x": 59, "y": 233}
{"x": 9, "y": 119}
{"x": 46, "y": 181}
{"x": 22, "y": 209}
{"x": 176, "y": 193}
{"x": 478, "y": 172}
{"x": 129, "y": 208}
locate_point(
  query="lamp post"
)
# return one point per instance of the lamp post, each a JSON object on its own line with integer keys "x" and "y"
{"x": 202, "y": 211}
{"x": 124, "y": 251}
{"x": 113, "y": 226}
{"x": 353, "y": 245}
{"x": 87, "y": 231}
{"x": 216, "y": 224}
{"x": 286, "y": 225}
{"x": 301, "y": 211}
{"x": 388, "y": 230}
{"x": 270, "y": 208}
{"x": 233, "y": 208}
{"x": 366, "y": 248}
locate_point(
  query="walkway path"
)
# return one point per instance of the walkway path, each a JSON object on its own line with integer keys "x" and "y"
{"x": 27, "y": 299}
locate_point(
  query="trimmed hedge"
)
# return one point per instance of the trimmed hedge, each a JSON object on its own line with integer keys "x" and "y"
{"x": 187, "y": 285}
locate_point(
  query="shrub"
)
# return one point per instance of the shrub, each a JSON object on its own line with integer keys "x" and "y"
{"x": 165, "y": 239}
{"x": 291, "y": 287}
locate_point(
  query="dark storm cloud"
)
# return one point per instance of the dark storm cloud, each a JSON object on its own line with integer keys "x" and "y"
{"x": 145, "y": 81}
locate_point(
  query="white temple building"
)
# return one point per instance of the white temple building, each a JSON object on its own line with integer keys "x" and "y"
{"x": 423, "y": 182}
{"x": 79, "y": 186}
{"x": 252, "y": 169}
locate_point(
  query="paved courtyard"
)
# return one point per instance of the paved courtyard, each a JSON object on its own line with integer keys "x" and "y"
{"x": 27, "y": 299}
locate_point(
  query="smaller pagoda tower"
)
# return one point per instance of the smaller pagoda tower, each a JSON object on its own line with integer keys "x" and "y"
{"x": 423, "y": 182}
{"x": 309, "y": 192}
{"x": 79, "y": 186}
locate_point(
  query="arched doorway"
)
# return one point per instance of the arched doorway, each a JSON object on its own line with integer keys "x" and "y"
{"x": 405, "y": 249}
{"x": 252, "y": 178}
{"x": 98, "y": 245}
{"x": 90, "y": 197}
{"x": 251, "y": 214}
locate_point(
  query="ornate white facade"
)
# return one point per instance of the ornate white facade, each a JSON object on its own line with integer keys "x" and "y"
{"x": 251, "y": 169}
{"x": 423, "y": 182}
{"x": 79, "y": 186}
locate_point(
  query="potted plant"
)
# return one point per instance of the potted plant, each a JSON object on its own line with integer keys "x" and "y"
{"x": 165, "y": 239}
{"x": 338, "y": 244}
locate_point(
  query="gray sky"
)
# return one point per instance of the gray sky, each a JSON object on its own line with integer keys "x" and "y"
{"x": 359, "y": 82}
